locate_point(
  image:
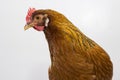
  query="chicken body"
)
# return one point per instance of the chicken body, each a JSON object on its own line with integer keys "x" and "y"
{"x": 74, "y": 56}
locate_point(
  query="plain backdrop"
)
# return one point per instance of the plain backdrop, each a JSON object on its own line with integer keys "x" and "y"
{"x": 24, "y": 55}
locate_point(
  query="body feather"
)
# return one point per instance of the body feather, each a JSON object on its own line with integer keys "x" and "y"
{"x": 74, "y": 56}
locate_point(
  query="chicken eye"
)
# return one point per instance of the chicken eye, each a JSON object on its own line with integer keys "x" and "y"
{"x": 37, "y": 18}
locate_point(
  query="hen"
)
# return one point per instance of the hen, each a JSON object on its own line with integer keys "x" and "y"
{"x": 74, "y": 56}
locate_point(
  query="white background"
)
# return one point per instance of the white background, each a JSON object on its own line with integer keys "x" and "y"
{"x": 24, "y": 55}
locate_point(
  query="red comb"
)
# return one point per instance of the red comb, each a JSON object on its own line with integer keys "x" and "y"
{"x": 29, "y": 14}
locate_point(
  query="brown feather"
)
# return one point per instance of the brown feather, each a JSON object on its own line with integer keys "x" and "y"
{"x": 73, "y": 55}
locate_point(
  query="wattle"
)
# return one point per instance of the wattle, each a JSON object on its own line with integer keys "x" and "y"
{"x": 39, "y": 28}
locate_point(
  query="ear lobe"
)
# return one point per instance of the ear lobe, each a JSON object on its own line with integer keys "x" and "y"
{"x": 45, "y": 15}
{"x": 46, "y": 22}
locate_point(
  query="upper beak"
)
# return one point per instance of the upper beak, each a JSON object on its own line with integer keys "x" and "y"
{"x": 27, "y": 26}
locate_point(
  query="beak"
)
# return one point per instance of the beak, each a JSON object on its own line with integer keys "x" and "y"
{"x": 27, "y": 26}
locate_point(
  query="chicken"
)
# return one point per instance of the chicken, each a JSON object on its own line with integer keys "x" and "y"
{"x": 74, "y": 56}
